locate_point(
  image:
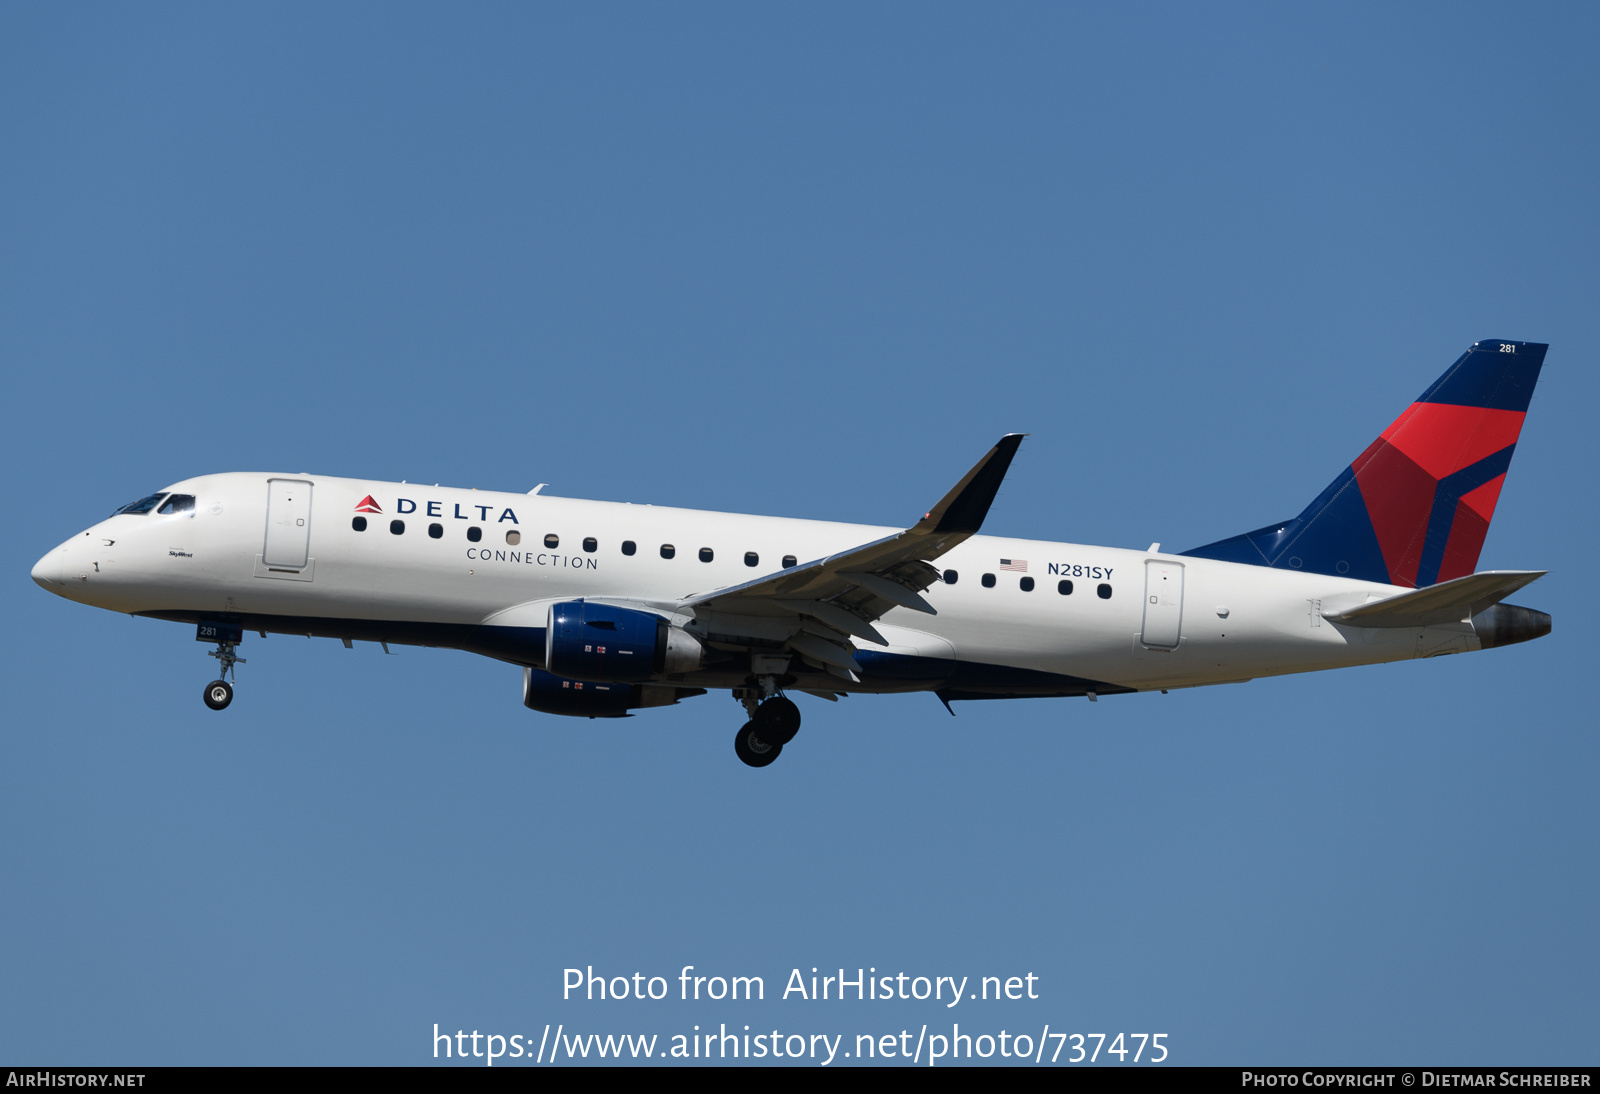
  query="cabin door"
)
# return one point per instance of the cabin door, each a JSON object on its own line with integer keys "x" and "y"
{"x": 1163, "y": 603}
{"x": 288, "y": 524}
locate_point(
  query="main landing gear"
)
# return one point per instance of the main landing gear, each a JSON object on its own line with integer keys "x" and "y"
{"x": 219, "y": 693}
{"x": 773, "y": 723}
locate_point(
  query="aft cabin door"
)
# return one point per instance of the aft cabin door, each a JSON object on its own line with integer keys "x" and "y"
{"x": 288, "y": 524}
{"x": 1163, "y": 603}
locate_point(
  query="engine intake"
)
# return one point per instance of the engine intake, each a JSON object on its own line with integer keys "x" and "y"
{"x": 587, "y": 641}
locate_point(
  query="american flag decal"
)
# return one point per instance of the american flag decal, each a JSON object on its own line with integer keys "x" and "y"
{"x": 1020, "y": 565}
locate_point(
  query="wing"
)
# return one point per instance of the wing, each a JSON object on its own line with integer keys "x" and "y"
{"x": 812, "y": 608}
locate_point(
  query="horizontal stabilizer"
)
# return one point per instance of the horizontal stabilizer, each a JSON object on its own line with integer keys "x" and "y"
{"x": 1447, "y": 602}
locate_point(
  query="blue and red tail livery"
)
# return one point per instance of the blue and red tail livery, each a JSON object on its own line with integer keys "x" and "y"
{"x": 1414, "y": 508}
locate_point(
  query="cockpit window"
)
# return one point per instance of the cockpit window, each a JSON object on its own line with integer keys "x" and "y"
{"x": 178, "y": 503}
{"x": 144, "y": 505}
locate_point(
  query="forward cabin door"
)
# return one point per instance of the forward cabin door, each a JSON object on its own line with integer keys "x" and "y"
{"x": 1163, "y": 603}
{"x": 288, "y": 524}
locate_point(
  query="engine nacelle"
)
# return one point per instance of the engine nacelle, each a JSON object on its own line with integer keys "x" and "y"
{"x": 555, "y": 695}
{"x": 587, "y": 641}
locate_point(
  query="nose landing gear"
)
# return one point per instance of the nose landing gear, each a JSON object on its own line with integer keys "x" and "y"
{"x": 219, "y": 693}
{"x": 773, "y": 723}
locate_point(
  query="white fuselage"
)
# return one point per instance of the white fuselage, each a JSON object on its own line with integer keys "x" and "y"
{"x": 1230, "y": 621}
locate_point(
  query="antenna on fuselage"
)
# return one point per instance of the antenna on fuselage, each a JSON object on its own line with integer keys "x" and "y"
{"x": 538, "y": 488}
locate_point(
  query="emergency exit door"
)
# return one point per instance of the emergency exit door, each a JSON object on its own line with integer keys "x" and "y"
{"x": 288, "y": 524}
{"x": 1163, "y": 603}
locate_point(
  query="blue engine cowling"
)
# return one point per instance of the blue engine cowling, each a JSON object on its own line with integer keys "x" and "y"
{"x": 597, "y": 642}
{"x": 556, "y": 695}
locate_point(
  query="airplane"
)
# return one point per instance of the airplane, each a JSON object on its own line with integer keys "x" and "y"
{"x": 611, "y": 607}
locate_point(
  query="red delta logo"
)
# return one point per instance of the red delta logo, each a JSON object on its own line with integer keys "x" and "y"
{"x": 367, "y": 505}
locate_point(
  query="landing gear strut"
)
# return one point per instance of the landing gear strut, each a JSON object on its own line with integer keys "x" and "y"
{"x": 219, "y": 693}
{"x": 774, "y": 720}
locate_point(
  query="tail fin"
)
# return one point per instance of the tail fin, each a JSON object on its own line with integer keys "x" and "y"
{"x": 1414, "y": 508}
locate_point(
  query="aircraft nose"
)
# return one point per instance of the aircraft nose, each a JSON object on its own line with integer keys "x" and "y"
{"x": 47, "y": 571}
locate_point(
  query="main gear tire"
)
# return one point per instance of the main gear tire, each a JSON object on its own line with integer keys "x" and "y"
{"x": 777, "y": 720}
{"x": 753, "y": 749}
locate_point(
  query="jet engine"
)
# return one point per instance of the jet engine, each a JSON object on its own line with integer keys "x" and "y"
{"x": 588, "y": 641}
{"x": 583, "y": 699}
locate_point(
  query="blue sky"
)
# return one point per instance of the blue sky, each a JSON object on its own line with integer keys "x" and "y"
{"x": 812, "y": 262}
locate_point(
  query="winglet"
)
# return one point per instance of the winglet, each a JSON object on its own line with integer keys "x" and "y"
{"x": 962, "y": 510}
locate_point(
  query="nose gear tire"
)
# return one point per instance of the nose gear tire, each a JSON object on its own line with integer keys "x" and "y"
{"x": 218, "y": 694}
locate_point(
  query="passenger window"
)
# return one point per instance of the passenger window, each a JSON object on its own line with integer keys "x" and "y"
{"x": 435, "y": 531}
{"x": 551, "y": 540}
{"x": 397, "y": 527}
{"x": 178, "y": 503}
{"x": 1027, "y": 584}
{"x": 591, "y": 545}
{"x": 951, "y": 577}
{"x": 143, "y": 505}
{"x": 705, "y": 554}
{"x": 515, "y": 538}
{"x": 1064, "y": 588}
{"x": 668, "y": 550}
{"x": 474, "y": 534}
{"x": 628, "y": 546}
{"x": 752, "y": 559}
{"x": 788, "y": 561}
{"x": 988, "y": 581}
{"x": 1103, "y": 592}
{"x": 359, "y": 524}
